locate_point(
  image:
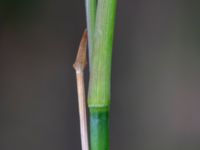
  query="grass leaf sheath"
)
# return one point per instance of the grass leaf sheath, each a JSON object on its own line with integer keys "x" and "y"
{"x": 100, "y": 73}
{"x": 91, "y": 18}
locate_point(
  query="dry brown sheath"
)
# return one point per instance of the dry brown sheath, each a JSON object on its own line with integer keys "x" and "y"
{"x": 79, "y": 66}
{"x": 81, "y": 58}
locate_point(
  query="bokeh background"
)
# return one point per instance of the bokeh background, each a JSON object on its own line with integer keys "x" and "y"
{"x": 155, "y": 77}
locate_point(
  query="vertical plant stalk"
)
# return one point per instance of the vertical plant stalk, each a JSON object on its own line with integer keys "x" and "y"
{"x": 91, "y": 17}
{"x": 100, "y": 75}
{"x": 79, "y": 67}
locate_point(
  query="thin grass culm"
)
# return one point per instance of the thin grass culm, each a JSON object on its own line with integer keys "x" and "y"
{"x": 79, "y": 67}
{"x": 101, "y": 31}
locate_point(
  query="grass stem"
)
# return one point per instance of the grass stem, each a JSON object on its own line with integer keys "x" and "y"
{"x": 100, "y": 74}
{"x": 91, "y": 18}
{"x": 79, "y": 66}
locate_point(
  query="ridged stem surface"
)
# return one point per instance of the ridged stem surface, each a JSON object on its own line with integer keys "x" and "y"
{"x": 100, "y": 74}
{"x": 91, "y": 18}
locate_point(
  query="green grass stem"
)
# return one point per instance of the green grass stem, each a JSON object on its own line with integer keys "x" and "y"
{"x": 99, "y": 129}
{"x": 100, "y": 73}
{"x": 91, "y": 18}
